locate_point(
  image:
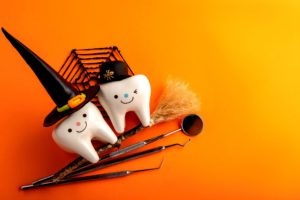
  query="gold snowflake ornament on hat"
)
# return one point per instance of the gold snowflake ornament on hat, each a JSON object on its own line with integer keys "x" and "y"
{"x": 109, "y": 74}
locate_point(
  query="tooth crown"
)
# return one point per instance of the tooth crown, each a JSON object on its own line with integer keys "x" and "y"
{"x": 130, "y": 94}
{"x": 75, "y": 133}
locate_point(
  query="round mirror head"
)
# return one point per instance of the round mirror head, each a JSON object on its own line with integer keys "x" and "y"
{"x": 192, "y": 125}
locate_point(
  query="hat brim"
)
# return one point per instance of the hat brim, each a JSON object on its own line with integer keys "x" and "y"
{"x": 54, "y": 116}
{"x": 119, "y": 78}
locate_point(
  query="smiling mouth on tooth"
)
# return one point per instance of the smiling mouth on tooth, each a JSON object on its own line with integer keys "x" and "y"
{"x": 128, "y": 101}
{"x": 83, "y": 128}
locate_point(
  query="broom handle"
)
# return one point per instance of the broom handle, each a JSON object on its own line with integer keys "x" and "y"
{"x": 80, "y": 161}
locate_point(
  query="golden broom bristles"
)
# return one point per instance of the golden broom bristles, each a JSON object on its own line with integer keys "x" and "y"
{"x": 175, "y": 101}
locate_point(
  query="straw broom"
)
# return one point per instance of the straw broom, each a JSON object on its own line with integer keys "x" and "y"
{"x": 175, "y": 101}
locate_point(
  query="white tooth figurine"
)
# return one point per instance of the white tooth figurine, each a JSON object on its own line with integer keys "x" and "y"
{"x": 81, "y": 120}
{"x": 120, "y": 93}
{"x": 74, "y": 134}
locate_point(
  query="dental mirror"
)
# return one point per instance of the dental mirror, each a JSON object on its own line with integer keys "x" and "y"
{"x": 192, "y": 125}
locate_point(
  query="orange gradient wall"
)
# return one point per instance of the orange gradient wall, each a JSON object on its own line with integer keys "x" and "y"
{"x": 240, "y": 57}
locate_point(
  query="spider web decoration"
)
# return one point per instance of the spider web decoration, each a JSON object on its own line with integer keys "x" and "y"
{"x": 82, "y": 68}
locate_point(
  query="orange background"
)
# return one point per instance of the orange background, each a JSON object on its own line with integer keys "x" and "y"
{"x": 241, "y": 57}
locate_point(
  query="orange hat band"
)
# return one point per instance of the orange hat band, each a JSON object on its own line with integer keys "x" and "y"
{"x": 72, "y": 103}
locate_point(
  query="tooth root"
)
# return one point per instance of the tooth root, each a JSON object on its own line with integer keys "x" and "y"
{"x": 81, "y": 146}
{"x": 99, "y": 128}
{"x": 105, "y": 134}
{"x": 144, "y": 115}
{"x": 86, "y": 150}
{"x": 118, "y": 121}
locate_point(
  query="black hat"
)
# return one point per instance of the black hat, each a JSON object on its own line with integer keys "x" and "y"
{"x": 65, "y": 96}
{"x": 113, "y": 71}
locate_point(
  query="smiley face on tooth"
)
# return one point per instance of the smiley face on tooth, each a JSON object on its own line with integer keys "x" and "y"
{"x": 128, "y": 101}
{"x": 78, "y": 123}
{"x": 126, "y": 96}
{"x": 75, "y": 133}
{"x": 130, "y": 94}
{"x": 83, "y": 128}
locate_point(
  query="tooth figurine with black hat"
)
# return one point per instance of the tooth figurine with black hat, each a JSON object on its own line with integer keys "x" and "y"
{"x": 80, "y": 120}
{"x": 120, "y": 93}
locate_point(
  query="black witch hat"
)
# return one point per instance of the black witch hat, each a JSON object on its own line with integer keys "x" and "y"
{"x": 113, "y": 71}
{"x": 65, "y": 96}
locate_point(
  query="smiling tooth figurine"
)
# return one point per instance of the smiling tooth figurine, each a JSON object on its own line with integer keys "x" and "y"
{"x": 74, "y": 134}
{"x": 119, "y": 93}
{"x": 81, "y": 121}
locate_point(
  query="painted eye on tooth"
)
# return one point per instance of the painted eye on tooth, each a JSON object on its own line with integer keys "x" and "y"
{"x": 84, "y": 115}
{"x": 69, "y": 130}
{"x": 116, "y": 96}
{"x": 135, "y": 91}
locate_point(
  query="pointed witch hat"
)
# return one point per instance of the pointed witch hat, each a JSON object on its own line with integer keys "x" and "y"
{"x": 65, "y": 96}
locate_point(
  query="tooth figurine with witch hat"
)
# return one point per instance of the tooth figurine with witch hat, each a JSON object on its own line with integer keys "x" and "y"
{"x": 119, "y": 93}
{"x": 83, "y": 121}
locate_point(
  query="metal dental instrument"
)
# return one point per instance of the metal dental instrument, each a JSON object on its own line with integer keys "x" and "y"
{"x": 89, "y": 178}
{"x": 191, "y": 125}
{"x": 102, "y": 165}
